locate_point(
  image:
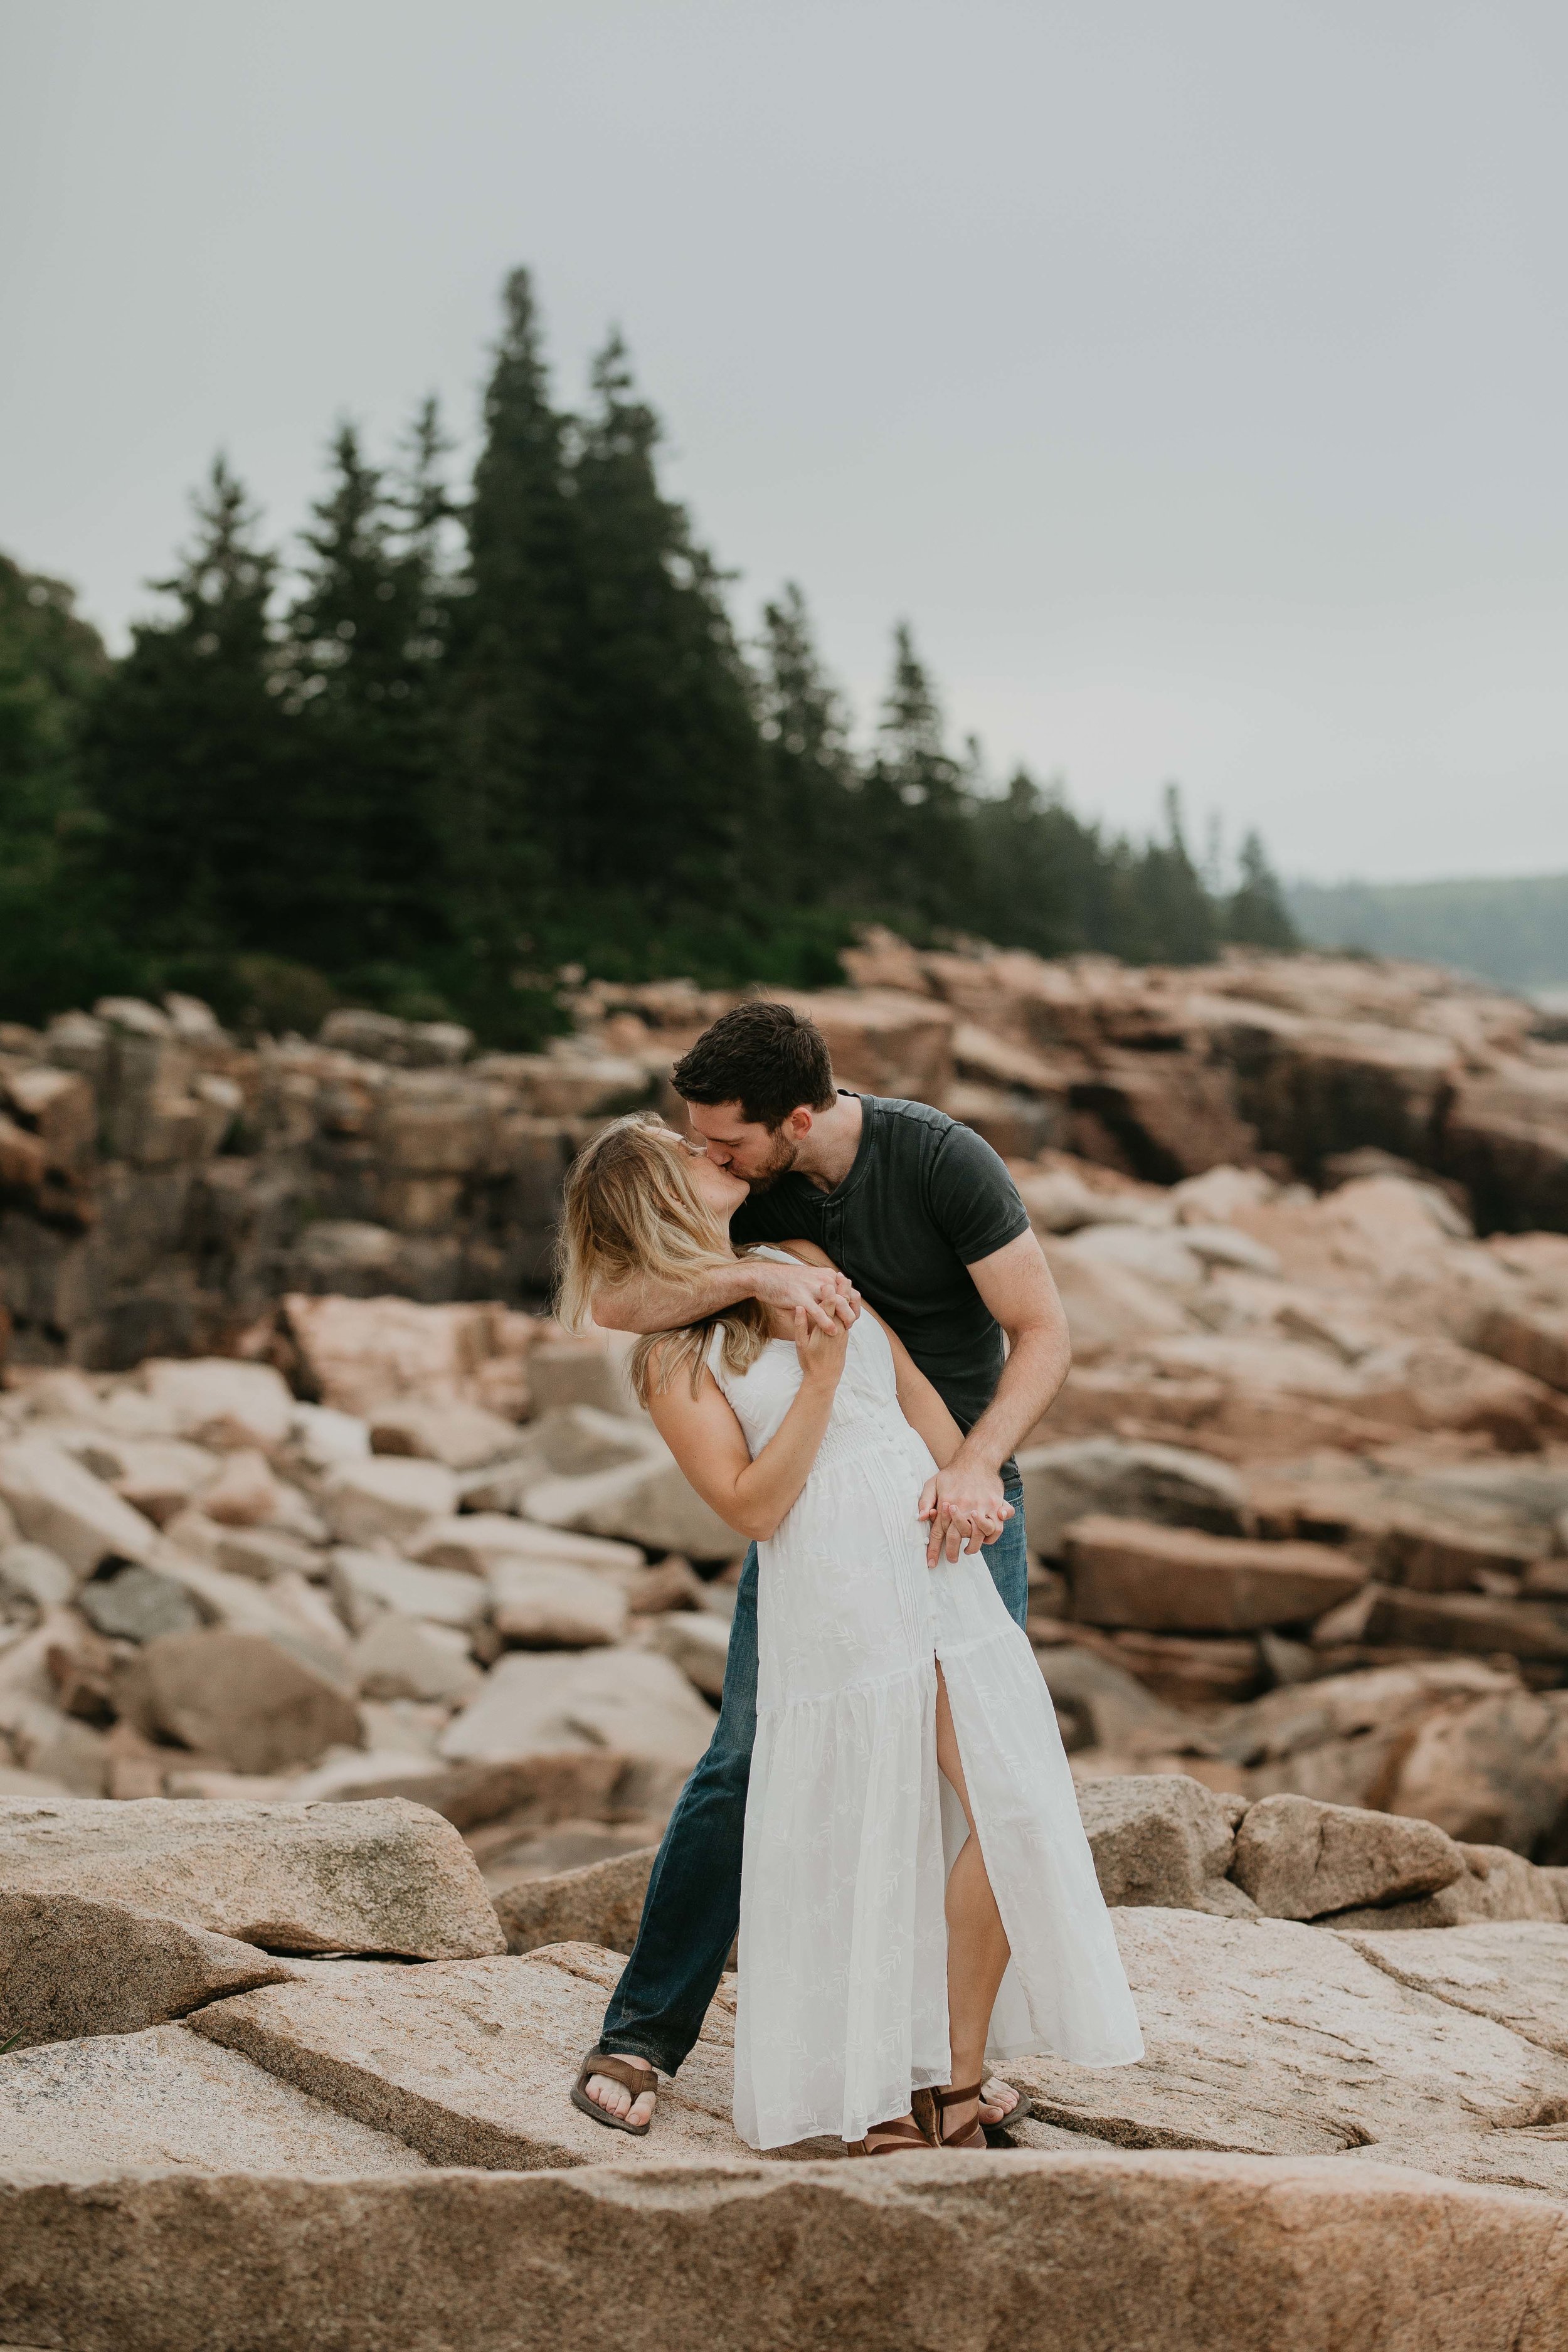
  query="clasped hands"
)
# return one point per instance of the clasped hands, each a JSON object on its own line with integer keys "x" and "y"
{"x": 964, "y": 1510}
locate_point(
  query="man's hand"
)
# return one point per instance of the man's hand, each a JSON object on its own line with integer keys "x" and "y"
{"x": 964, "y": 1509}
{"x": 816, "y": 1289}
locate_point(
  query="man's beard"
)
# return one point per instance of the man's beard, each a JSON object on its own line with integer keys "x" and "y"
{"x": 780, "y": 1159}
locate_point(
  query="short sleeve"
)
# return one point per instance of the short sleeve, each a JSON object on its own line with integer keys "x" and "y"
{"x": 973, "y": 1199}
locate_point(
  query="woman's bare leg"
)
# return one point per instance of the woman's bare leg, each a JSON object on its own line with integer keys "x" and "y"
{"x": 977, "y": 1947}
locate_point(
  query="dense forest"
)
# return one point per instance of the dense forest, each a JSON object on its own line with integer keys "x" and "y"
{"x": 466, "y": 739}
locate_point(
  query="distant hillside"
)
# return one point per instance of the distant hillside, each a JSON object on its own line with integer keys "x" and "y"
{"x": 1514, "y": 931}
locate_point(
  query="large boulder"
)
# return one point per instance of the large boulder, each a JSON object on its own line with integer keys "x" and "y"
{"x": 1169, "y": 2253}
{"x": 1162, "y": 1839}
{"x": 386, "y": 1498}
{"x": 385, "y": 1876}
{"x": 469, "y": 2061}
{"x": 533, "y": 1791}
{"x": 1099, "y": 1704}
{"x": 883, "y": 1040}
{"x": 463, "y": 1436}
{"x": 599, "y": 1904}
{"x": 407, "y": 1657}
{"x": 1495, "y": 1884}
{"x": 479, "y": 1541}
{"x": 71, "y": 1966}
{"x": 358, "y": 1354}
{"x": 647, "y": 1502}
{"x": 1494, "y": 1772}
{"x": 364, "y": 1583}
{"x": 58, "y": 1503}
{"x": 83, "y": 2110}
{"x": 555, "y": 1605}
{"x": 1181, "y": 1580}
{"x": 632, "y": 1701}
{"x": 1298, "y": 1860}
{"x": 1109, "y": 1308}
{"x": 1481, "y": 1623}
{"x": 240, "y": 1697}
{"x": 698, "y": 1643}
{"x": 1514, "y": 1972}
{"x": 1167, "y": 1484}
{"x": 1279, "y": 2038}
{"x": 138, "y": 1604}
{"x": 295, "y": 1615}
{"x": 226, "y": 1405}
{"x": 1531, "y": 1340}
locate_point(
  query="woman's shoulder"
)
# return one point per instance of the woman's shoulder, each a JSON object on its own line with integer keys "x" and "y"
{"x": 805, "y": 1253}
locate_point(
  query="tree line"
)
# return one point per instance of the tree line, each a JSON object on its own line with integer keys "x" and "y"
{"x": 468, "y": 739}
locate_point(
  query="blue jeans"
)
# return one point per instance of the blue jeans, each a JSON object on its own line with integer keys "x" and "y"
{"x": 692, "y": 1907}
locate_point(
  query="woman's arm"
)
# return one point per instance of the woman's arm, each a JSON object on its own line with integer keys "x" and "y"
{"x": 709, "y": 1444}
{"x": 644, "y": 1304}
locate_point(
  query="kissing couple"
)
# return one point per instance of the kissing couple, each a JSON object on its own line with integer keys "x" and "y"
{"x": 846, "y": 1328}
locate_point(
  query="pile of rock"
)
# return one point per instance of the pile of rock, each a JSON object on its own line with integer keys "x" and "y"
{"x": 164, "y": 1185}
{"x": 1303, "y": 1488}
{"x": 275, "y": 2077}
{"x": 211, "y": 1588}
{"x": 1312, "y": 1537}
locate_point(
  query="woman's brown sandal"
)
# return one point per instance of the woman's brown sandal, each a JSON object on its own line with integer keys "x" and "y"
{"x": 639, "y": 2080}
{"x": 894, "y": 2138}
{"x": 975, "y": 2135}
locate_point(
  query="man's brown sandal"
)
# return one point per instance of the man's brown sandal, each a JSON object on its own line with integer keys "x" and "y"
{"x": 894, "y": 2138}
{"x": 639, "y": 2080}
{"x": 975, "y": 2135}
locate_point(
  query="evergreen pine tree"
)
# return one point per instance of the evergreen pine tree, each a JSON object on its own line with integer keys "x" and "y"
{"x": 915, "y": 806}
{"x": 514, "y": 620}
{"x": 190, "y": 758}
{"x": 1167, "y": 915}
{"x": 801, "y": 847}
{"x": 54, "y": 948}
{"x": 1042, "y": 878}
{"x": 1258, "y": 915}
{"x": 364, "y": 643}
{"x": 670, "y": 749}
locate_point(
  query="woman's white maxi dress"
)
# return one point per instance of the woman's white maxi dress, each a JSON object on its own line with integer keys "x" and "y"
{"x": 843, "y": 1986}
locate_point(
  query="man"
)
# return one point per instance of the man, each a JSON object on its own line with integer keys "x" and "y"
{"x": 920, "y": 1216}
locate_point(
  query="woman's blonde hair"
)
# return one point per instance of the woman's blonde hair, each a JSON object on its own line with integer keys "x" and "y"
{"x": 630, "y": 1207}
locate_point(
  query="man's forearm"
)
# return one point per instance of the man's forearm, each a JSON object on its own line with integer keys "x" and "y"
{"x": 1036, "y": 1365}
{"x": 645, "y": 1305}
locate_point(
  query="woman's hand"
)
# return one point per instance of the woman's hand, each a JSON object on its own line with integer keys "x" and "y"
{"x": 822, "y": 1352}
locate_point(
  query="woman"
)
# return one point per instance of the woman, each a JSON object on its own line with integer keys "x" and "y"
{"x": 873, "y": 1963}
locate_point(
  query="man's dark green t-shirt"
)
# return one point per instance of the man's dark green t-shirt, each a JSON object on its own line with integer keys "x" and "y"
{"x": 925, "y": 1200}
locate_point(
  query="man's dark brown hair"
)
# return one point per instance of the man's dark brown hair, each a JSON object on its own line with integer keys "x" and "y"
{"x": 763, "y": 1057}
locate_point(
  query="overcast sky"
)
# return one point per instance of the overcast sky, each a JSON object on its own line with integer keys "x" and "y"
{"x": 1193, "y": 377}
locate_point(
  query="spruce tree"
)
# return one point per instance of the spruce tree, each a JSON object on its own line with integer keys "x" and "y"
{"x": 517, "y": 614}
{"x": 54, "y": 947}
{"x": 1166, "y": 915}
{"x": 801, "y": 845}
{"x": 668, "y": 739}
{"x": 1257, "y": 915}
{"x": 189, "y": 754}
{"x": 364, "y": 644}
{"x": 919, "y": 842}
{"x": 1042, "y": 878}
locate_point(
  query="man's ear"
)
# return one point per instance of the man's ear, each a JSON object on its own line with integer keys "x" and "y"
{"x": 799, "y": 1123}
